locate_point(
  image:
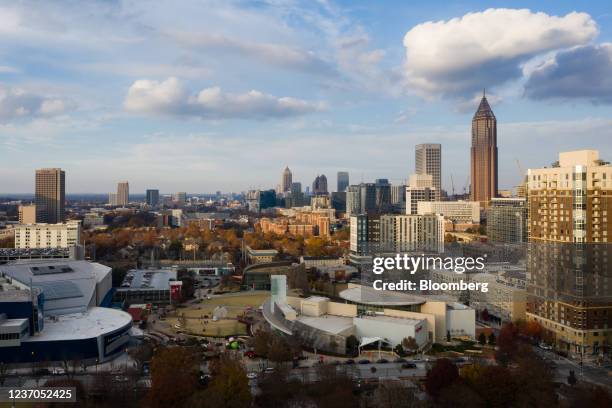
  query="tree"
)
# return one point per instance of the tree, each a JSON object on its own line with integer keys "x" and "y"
{"x": 459, "y": 395}
{"x": 410, "y": 344}
{"x": 492, "y": 339}
{"x": 260, "y": 343}
{"x": 443, "y": 374}
{"x": 394, "y": 395}
{"x": 571, "y": 378}
{"x": 482, "y": 338}
{"x": 174, "y": 377}
{"x": 279, "y": 350}
{"x": 141, "y": 353}
{"x": 496, "y": 386}
{"x": 448, "y": 336}
{"x": 229, "y": 386}
{"x": 352, "y": 345}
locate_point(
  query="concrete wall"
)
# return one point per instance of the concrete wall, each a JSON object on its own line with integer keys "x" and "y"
{"x": 394, "y": 332}
{"x": 430, "y": 318}
{"x": 438, "y": 309}
{"x": 342, "y": 309}
{"x": 461, "y": 322}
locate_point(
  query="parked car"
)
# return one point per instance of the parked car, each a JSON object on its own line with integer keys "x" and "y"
{"x": 545, "y": 346}
{"x": 364, "y": 361}
{"x": 409, "y": 365}
{"x": 382, "y": 361}
{"x": 251, "y": 376}
{"x": 400, "y": 360}
{"x": 349, "y": 361}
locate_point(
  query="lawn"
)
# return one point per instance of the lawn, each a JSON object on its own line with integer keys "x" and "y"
{"x": 235, "y": 306}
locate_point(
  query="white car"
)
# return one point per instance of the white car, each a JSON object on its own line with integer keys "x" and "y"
{"x": 545, "y": 346}
{"x": 251, "y": 376}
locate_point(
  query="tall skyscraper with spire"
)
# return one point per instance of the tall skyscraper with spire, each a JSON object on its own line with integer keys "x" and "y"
{"x": 484, "y": 154}
{"x": 286, "y": 180}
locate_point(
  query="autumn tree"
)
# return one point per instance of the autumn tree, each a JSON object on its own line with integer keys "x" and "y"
{"x": 229, "y": 387}
{"x": 394, "y": 395}
{"x": 173, "y": 377}
{"x": 443, "y": 374}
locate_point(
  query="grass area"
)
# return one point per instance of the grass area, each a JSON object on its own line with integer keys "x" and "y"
{"x": 235, "y": 306}
{"x": 220, "y": 328}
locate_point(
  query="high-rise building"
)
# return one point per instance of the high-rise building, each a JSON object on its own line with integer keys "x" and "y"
{"x": 420, "y": 188}
{"x": 180, "y": 197}
{"x": 428, "y": 160}
{"x": 319, "y": 186}
{"x": 286, "y": 180}
{"x": 507, "y": 220}
{"x": 569, "y": 258}
{"x": 296, "y": 187}
{"x": 112, "y": 199}
{"x": 483, "y": 154}
{"x": 27, "y": 214}
{"x": 353, "y": 200}
{"x": 123, "y": 193}
{"x": 398, "y": 197}
{"x": 383, "y": 195}
{"x": 50, "y": 195}
{"x": 367, "y": 195}
{"x": 401, "y": 233}
{"x": 152, "y": 197}
{"x": 343, "y": 181}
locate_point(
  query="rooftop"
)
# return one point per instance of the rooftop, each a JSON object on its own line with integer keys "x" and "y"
{"x": 370, "y": 296}
{"x": 89, "y": 324}
{"x": 396, "y": 320}
{"x": 147, "y": 279}
{"x": 328, "y": 323}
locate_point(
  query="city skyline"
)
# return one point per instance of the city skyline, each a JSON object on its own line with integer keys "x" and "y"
{"x": 314, "y": 89}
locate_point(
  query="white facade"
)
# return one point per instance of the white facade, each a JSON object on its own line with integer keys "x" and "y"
{"x": 463, "y": 212}
{"x": 414, "y": 195}
{"x": 412, "y": 232}
{"x": 64, "y": 235}
{"x": 392, "y": 329}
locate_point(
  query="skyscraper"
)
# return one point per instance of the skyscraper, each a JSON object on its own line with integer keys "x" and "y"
{"x": 428, "y": 160}
{"x": 319, "y": 186}
{"x": 343, "y": 180}
{"x": 286, "y": 180}
{"x": 152, "y": 197}
{"x": 123, "y": 193}
{"x": 50, "y": 195}
{"x": 484, "y": 154}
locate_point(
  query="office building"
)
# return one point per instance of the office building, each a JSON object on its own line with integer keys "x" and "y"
{"x": 180, "y": 197}
{"x": 152, "y": 197}
{"x": 112, "y": 199}
{"x": 459, "y": 212}
{"x": 157, "y": 286}
{"x": 123, "y": 193}
{"x": 50, "y": 195}
{"x": 319, "y": 186}
{"x": 64, "y": 235}
{"x": 353, "y": 200}
{"x": 364, "y": 233}
{"x": 27, "y": 214}
{"x": 398, "y": 196}
{"x": 507, "y": 220}
{"x": 420, "y": 188}
{"x": 383, "y": 195}
{"x": 428, "y": 160}
{"x": 483, "y": 155}
{"x": 343, "y": 181}
{"x": 569, "y": 270}
{"x": 286, "y": 180}
{"x": 367, "y": 195}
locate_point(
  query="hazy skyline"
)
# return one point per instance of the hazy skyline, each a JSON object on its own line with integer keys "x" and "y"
{"x": 201, "y": 96}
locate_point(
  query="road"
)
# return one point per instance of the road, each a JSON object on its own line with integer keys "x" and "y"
{"x": 588, "y": 373}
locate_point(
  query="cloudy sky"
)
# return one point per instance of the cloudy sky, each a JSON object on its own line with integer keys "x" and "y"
{"x": 202, "y": 95}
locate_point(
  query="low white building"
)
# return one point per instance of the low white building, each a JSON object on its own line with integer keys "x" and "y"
{"x": 64, "y": 235}
{"x": 462, "y": 212}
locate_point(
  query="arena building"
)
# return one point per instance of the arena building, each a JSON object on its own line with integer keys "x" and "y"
{"x": 53, "y": 310}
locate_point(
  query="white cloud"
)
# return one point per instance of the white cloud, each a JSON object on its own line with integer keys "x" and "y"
{"x": 18, "y": 103}
{"x": 172, "y": 97}
{"x": 483, "y": 49}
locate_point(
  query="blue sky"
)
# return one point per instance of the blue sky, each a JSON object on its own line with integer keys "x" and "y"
{"x": 201, "y": 96}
